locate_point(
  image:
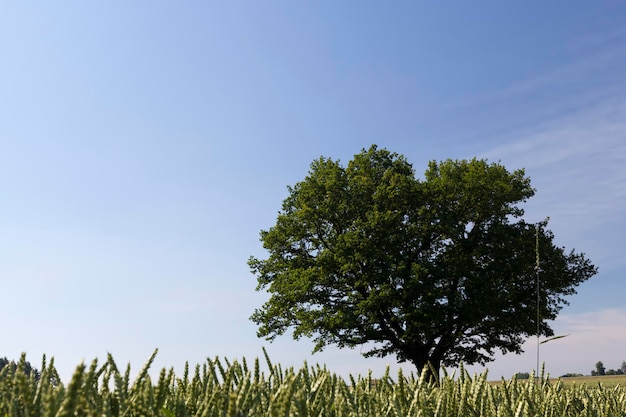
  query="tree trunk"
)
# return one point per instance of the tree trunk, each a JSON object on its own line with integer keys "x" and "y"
{"x": 429, "y": 365}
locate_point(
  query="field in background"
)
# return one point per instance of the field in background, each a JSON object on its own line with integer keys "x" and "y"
{"x": 607, "y": 381}
{"x": 590, "y": 381}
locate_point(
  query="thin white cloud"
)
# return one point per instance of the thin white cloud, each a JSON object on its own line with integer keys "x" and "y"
{"x": 591, "y": 337}
{"x": 584, "y": 134}
{"x": 577, "y": 163}
{"x": 597, "y": 56}
{"x": 594, "y": 336}
{"x": 583, "y": 154}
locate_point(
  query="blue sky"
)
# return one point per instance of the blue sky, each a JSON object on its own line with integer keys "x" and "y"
{"x": 144, "y": 145}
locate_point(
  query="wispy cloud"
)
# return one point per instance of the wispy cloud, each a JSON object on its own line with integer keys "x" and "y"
{"x": 591, "y": 337}
{"x": 594, "y": 336}
{"x": 577, "y": 163}
{"x": 589, "y": 142}
{"x": 597, "y": 56}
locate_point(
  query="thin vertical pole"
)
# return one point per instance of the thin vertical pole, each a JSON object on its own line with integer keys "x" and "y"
{"x": 538, "y": 298}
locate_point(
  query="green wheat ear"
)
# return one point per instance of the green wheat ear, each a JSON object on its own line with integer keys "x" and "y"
{"x": 72, "y": 396}
{"x": 313, "y": 392}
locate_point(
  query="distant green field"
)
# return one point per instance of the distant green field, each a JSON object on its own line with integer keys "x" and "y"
{"x": 588, "y": 381}
{"x": 606, "y": 380}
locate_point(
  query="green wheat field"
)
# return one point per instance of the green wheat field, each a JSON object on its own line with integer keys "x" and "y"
{"x": 220, "y": 387}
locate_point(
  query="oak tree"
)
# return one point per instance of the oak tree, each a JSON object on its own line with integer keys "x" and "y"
{"x": 436, "y": 271}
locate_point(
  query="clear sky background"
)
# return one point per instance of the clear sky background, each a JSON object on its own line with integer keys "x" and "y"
{"x": 144, "y": 145}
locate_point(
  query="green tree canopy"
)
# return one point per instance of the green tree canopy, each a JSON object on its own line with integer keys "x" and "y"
{"x": 600, "y": 368}
{"x": 22, "y": 365}
{"x": 439, "y": 270}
